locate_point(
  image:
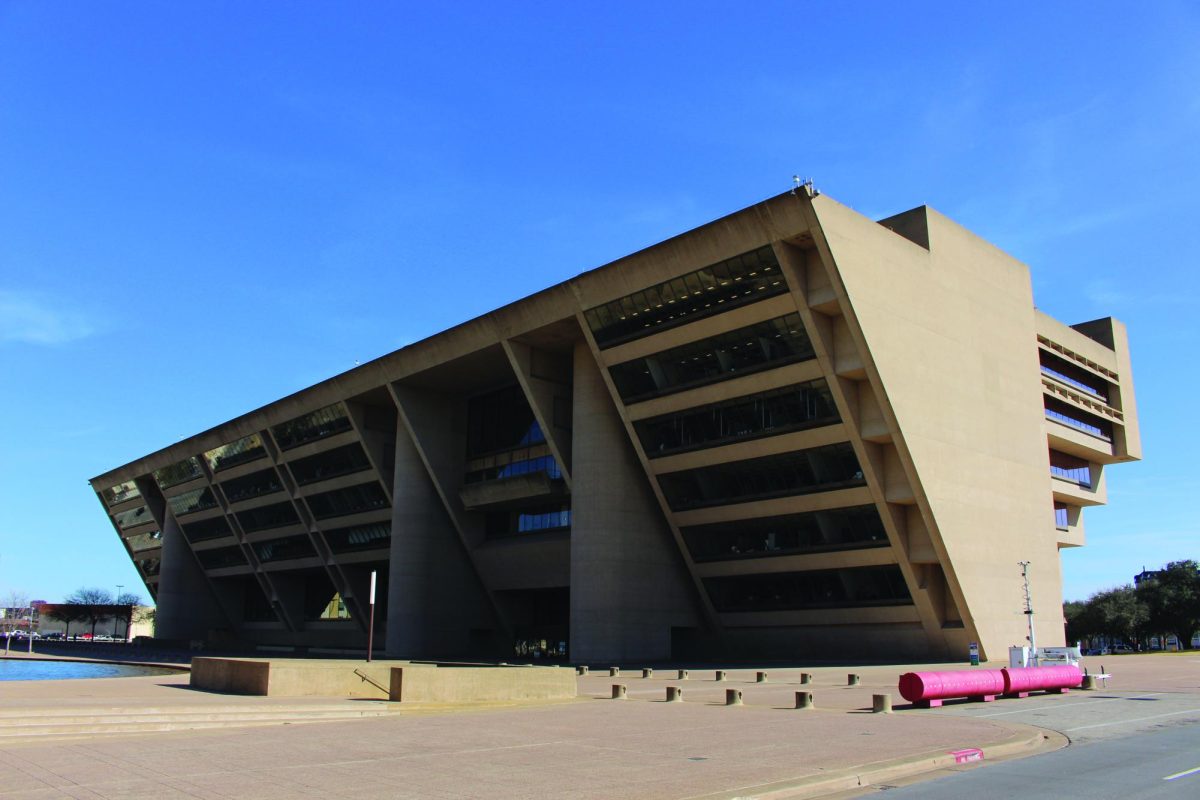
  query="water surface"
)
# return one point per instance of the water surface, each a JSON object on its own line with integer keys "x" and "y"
{"x": 28, "y": 670}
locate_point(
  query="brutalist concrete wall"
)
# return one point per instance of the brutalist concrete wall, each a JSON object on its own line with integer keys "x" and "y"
{"x": 628, "y": 585}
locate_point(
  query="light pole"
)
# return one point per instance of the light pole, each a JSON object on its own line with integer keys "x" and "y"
{"x": 117, "y": 601}
{"x": 1033, "y": 651}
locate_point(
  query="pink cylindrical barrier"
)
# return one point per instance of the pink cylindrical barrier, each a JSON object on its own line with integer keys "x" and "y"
{"x": 1022, "y": 680}
{"x": 933, "y": 687}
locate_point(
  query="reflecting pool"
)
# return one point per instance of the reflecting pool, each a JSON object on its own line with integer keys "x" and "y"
{"x": 23, "y": 670}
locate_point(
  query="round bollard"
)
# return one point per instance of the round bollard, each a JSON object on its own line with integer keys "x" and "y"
{"x": 614, "y": 672}
{"x": 853, "y": 680}
{"x": 683, "y": 675}
{"x": 719, "y": 675}
{"x": 760, "y": 677}
{"x": 805, "y": 678}
{"x": 674, "y": 694}
{"x": 804, "y": 700}
{"x": 581, "y": 670}
{"x": 881, "y": 704}
{"x": 733, "y": 697}
{"x": 1089, "y": 682}
{"x": 647, "y": 673}
{"x": 618, "y": 691}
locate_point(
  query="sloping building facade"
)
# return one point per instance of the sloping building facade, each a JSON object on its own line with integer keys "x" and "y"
{"x": 793, "y": 432}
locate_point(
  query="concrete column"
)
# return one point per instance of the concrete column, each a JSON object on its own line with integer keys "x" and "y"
{"x": 628, "y": 584}
{"x": 186, "y": 606}
{"x": 434, "y": 597}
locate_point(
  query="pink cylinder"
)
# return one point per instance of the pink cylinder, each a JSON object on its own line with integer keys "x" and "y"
{"x": 918, "y": 686}
{"x": 1033, "y": 679}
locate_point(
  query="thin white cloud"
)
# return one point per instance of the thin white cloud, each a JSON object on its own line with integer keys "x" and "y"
{"x": 34, "y": 318}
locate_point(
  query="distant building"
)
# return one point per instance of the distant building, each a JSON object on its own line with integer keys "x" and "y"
{"x": 121, "y": 622}
{"x": 793, "y": 432}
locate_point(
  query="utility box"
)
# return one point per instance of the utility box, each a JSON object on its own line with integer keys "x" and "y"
{"x": 1018, "y": 657}
{"x": 1055, "y": 656}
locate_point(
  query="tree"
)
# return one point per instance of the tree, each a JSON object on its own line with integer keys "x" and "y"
{"x": 128, "y": 601}
{"x": 1121, "y": 613}
{"x": 94, "y": 605}
{"x": 1173, "y": 599}
{"x": 66, "y": 613}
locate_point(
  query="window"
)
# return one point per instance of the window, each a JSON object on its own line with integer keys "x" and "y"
{"x": 840, "y": 529}
{"x": 221, "y": 557}
{"x": 512, "y": 469}
{"x": 133, "y": 517}
{"x": 250, "y": 486}
{"x": 324, "y": 422}
{"x": 212, "y": 528}
{"x": 529, "y": 520}
{"x": 181, "y": 472}
{"x": 266, "y": 517}
{"x": 193, "y": 501}
{"x": 766, "y": 414}
{"x": 717, "y": 288}
{"x": 288, "y": 547}
{"x": 351, "y": 500}
{"x": 120, "y": 493}
{"x": 360, "y": 537}
{"x": 747, "y": 350}
{"x": 248, "y": 448}
{"x": 787, "y": 591}
{"x": 815, "y": 470}
{"x": 145, "y": 541}
{"x": 330, "y": 464}
{"x": 501, "y": 420}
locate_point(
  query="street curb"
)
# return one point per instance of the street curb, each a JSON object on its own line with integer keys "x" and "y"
{"x": 1024, "y": 738}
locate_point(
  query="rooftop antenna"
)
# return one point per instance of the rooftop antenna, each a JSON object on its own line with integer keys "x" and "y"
{"x": 1033, "y": 656}
{"x": 804, "y": 184}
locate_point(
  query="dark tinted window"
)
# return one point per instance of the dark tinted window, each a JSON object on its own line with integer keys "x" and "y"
{"x": 323, "y": 422}
{"x": 213, "y": 528}
{"x": 193, "y": 501}
{"x": 249, "y": 486}
{"x": 818, "y": 469}
{"x": 145, "y": 541}
{"x": 720, "y": 287}
{"x": 834, "y": 588}
{"x": 512, "y": 469}
{"x": 229, "y": 455}
{"x": 330, "y": 464}
{"x": 840, "y": 529}
{"x": 186, "y": 470}
{"x": 283, "y": 549}
{"x": 120, "y": 493}
{"x": 359, "y": 537}
{"x": 765, "y": 414}
{"x": 273, "y": 516}
{"x": 747, "y": 350}
{"x": 352, "y": 500}
{"x": 133, "y": 517}
{"x": 221, "y": 557}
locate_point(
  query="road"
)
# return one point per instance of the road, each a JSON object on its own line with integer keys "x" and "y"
{"x": 1164, "y": 763}
{"x": 1124, "y": 744}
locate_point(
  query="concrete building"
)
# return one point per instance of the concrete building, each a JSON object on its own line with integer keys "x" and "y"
{"x": 794, "y": 432}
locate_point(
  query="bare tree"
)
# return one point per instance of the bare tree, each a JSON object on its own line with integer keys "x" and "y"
{"x": 94, "y": 605}
{"x": 128, "y": 601}
{"x": 16, "y": 601}
{"x": 66, "y": 613}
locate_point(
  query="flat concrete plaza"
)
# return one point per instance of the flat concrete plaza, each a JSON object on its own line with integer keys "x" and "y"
{"x": 184, "y": 743}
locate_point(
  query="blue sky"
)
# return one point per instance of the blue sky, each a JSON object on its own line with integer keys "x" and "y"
{"x": 206, "y": 206}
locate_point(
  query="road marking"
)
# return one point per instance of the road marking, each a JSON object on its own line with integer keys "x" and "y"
{"x": 1181, "y": 774}
{"x": 1131, "y": 721}
{"x": 1069, "y": 704}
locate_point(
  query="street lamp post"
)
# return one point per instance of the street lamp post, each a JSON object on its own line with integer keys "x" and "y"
{"x": 120, "y": 586}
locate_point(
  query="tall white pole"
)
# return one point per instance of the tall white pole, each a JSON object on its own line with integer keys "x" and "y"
{"x": 1033, "y": 654}
{"x": 371, "y": 620}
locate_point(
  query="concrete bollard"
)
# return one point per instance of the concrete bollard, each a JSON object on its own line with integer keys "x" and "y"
{"x": 853, "y": 680}
{"x": 1089, "y": 682}
{"x": 805, "y": 678}
{"x": 683, "y": 675}
{"x": 881, "y": 704}
{"x": 614, "y": 672}
{"x": 720, "y": 675}
{"x": 804, "y": 700}
{"x": 647, "y": 673}
{"x": 581, "y": 670}
{"x": 618, "y": 691}
{"x": 760, "y": 677}
{"x": 733, "y": 697}
{"x": 674, "y": 694}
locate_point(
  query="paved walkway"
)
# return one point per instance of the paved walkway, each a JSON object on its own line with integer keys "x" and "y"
{"x": 593, "y": 747}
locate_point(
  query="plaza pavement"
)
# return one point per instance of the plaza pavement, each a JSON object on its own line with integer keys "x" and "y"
{"x": 593, "y": 747}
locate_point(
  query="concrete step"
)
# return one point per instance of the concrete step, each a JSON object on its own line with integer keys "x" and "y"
{"x": 102, "y": 710}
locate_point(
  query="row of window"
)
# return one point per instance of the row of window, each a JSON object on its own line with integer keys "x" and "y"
{"x": 1080, "y": 420}
{"x": 144, "y": 541}
{"x": 526, "y": 466}
{"x": 764, "y": 414}
{"x": 120, "y": 493}
{"x": 1071, "y": 374}
{"x": 256, "y": 484}
{"x": 501, "y": 420}
{"x": 190, "y": 502}
{"x": 817, "y": 469}
{"x": 791, "y": 591}
{"x": 528, "y": 520}
{"x": 756, "y": 347}
{"x": 840, "y": 529}
{"x": 133, "y": 517}
{"x": 1061, "y": 517}
{"x": 328, "y": 421}
{"x": 244, "y": 450}
{"x": 696, "y": 295}
{"x": 288, "y": 547}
